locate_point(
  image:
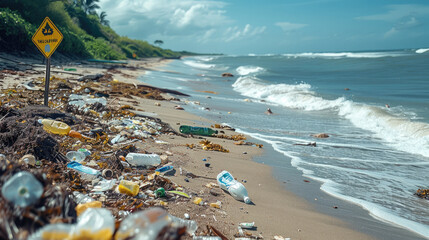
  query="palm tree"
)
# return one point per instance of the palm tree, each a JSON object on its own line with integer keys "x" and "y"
{"x": 89, "y": 6}
{"x": 158, "y": 42}
{"x": 103, "y": 19}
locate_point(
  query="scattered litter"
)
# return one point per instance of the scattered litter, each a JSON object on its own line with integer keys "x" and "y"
{"x": 227, "y": 182}
{"x": 249, "y": 225}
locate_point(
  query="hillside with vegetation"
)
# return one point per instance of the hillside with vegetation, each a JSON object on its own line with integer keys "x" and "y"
{"x": 87, "y": 34}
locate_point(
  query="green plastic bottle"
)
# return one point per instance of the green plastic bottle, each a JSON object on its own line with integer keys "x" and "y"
{"x": 203, "y": 131}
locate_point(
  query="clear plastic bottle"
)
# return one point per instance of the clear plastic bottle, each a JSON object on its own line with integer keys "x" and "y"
{"x": 143, "y": 160}
{"x": 75, "y": 156}
{"x": 206, "y": 238}
{"x": 191, "y": 225}
{"x": 143, "y": 225}
{"x": 81, "y": 198}
{"x": 55, "y": 127}
{"x": 22, "y": 189}
{"x": 227, "y": 182}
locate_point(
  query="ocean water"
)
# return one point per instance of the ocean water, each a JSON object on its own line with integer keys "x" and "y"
{"x": 374, "y": 105}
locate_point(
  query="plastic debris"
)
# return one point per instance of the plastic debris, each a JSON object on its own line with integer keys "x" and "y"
{"x": 248, "y": 225}
{"x": 143, "y": 225}
{"x": 22, "y": 189}
{"x": 55, "y": 127}
{"x": 75, "y": 156}
{"x": 86, "y": 171}
{"x": 180, "y": 194}
{"x": 80, "y": 208}
{"x": 143, "y": 160}
{"x": 198, "y": 201}
{"x": 129, "y": 188}
{"x": 93, "y": 224}
{"x": 227, "y": 182}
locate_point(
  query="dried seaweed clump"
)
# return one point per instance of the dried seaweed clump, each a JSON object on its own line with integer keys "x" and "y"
{"x": 209, "y": 146}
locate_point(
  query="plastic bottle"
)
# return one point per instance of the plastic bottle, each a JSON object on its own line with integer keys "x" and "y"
{"x": 75, "y": 156}
{"x": 22, "y": 189}
{"x": 83, "y": 169}
{"x": 81, "y": 198}
{"x": 191, "y": 225}
{"x": 227, "y": 182}
{"x": 143, "y": 225}
{"x": 143, "y": 160}
{"x": 55, "y": 127}
{"x": 164, "y": 169}
{"x": 206, "y": 238}
{"x": 203, "y": 131}
{"x": 129, "y": 188}
{"x": 85, "y": 151}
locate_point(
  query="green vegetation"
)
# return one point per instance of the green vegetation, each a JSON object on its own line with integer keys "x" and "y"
{"x": 85, "y": 33}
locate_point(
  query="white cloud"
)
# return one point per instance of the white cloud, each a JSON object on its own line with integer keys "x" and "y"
{"x": 402, "y": 17}
{"x": 143, "y": 18}
{"x": 404, "y": 24}
{"x": 288, "y": 27}
{"x": 177, "y": 23}
{"x": 235, "y": 33}
{"x": 398, "y": 12}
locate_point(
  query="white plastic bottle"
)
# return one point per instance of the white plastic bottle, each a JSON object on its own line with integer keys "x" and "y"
{"x": 237, "y": 190}
{"x": 143, "y": 160}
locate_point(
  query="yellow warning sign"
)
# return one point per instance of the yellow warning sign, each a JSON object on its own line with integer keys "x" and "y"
{"x": 47, "y": 37}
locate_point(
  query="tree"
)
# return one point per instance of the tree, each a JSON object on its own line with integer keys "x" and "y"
{"x": 103, "y": 19}
{"x": 89, "y": 6}
{"x": 158, "y": 42}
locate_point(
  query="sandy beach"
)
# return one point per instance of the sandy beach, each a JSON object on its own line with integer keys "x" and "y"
{"x": 276, "y": 212}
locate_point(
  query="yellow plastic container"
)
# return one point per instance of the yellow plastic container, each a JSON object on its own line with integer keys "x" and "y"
{"x": 80, "y": 208}
{"x": 55, "y": 127}
{"x": 198, "y": 201}
{"x": 217, "y": 204}
{"x": 129, "y": 188}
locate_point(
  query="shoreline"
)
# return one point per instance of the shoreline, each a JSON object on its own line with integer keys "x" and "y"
{"x": 277, "y": 211}
{"x": 275, "y": 207}
{"x": 352, "y": 216}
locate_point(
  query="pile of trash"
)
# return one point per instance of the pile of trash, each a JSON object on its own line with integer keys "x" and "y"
{"x": 72, "y": 170}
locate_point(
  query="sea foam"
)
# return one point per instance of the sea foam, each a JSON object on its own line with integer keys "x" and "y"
{"x": 199, "y": 65}
{"x": 400, "y": 133}
{"x": 422, "y": 50}
{"x": 338, "y": 55}
{"x": 246, "y": 70}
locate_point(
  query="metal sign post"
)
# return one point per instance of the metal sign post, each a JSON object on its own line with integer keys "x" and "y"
{"x": 47, "y": 38}
{"x": 47, "y": 78}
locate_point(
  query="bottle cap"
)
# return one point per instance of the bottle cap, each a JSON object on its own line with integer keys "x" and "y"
{"x": 247, "y": 200}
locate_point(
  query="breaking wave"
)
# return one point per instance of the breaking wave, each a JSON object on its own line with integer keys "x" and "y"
{"x": 246, "y": 70}
{"x": 346, "y": 55}
{"x": 422, "y": 50}
{"x": 400, "y": 133}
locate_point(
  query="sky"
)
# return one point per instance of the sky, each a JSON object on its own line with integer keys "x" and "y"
{"x": 273, "y": 26}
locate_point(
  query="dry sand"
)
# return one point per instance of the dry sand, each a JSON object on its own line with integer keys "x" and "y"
{"x": 275, "y": 211}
